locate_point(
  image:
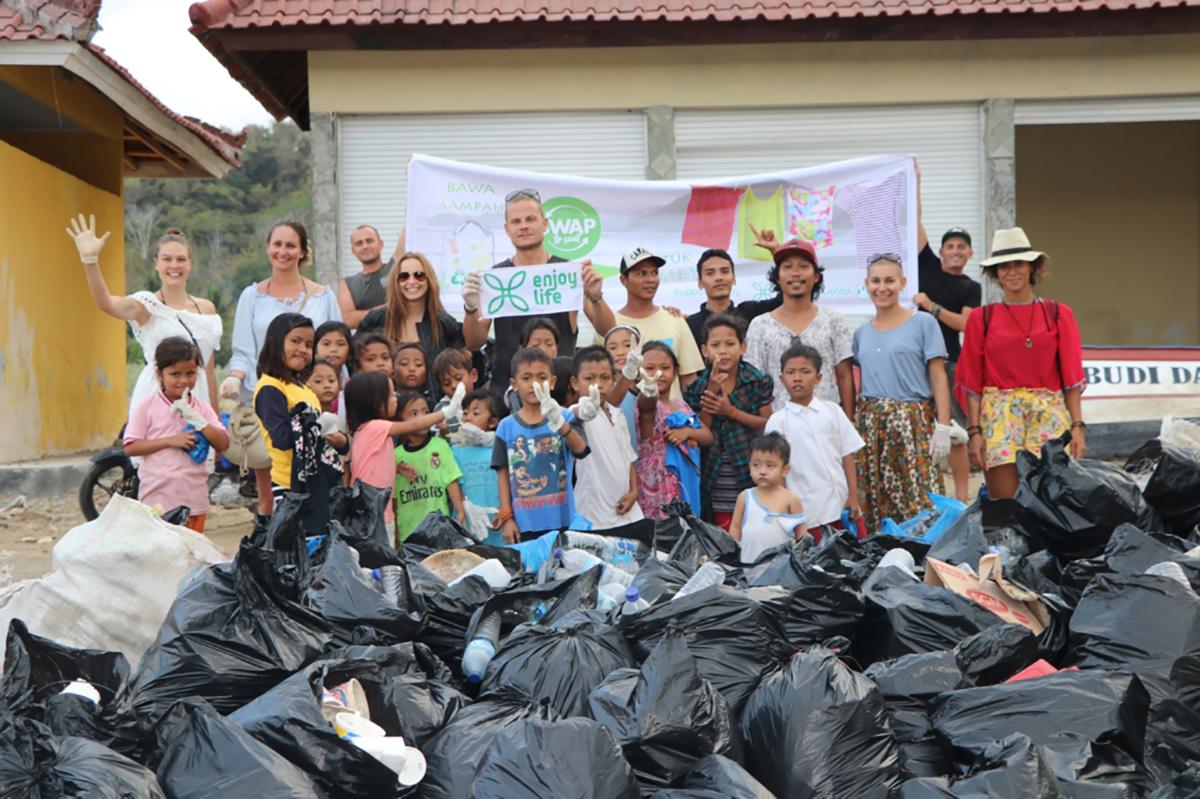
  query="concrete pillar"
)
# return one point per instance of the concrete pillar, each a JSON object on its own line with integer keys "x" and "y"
{"x": 1000, "y": 177}
{"x": 660, "y": 142}
{"x": 326, "y": 238}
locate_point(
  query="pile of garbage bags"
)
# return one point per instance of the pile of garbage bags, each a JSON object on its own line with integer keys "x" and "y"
{"x": 1047, "y": 646}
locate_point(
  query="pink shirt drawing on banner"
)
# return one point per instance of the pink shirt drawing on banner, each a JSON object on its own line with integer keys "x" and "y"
{"x": 810, "y": 215}
{"x": 874, "y": 208}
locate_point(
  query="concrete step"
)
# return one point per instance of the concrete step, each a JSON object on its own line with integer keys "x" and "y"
{"x": 49, "y": 477}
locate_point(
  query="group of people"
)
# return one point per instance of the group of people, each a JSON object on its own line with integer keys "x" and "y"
{"x": 752, "y": 413}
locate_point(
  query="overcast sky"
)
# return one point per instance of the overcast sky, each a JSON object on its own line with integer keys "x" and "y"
{"x": 150, "y": 39}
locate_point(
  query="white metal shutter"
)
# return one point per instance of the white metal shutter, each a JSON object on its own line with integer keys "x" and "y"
{"x": 946, "y": 139}
{"x": 1107, "y": 109}
{"x": 373, "y": 155}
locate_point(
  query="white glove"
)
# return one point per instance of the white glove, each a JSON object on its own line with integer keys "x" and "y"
{"x": 550, "y": 407}
{"x": 649, "y": 384}
{"x": 589, "y": 406}
{"x": 189, "y": 414}
{"x": 470, "y": 435}
{"x": 330, "y": 423}
{"x": 84, "y": 235}
{"x": 633, "y": 363}
{"x": 231, "y": 387}
{"x": 453, "y": 409}
{"x": 470, "y": 290}
{"x": 957, "y": 434}
{"x": 939, "y": 442}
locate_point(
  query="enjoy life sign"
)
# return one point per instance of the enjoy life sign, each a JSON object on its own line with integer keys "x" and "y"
{"x": 528, "y": 290}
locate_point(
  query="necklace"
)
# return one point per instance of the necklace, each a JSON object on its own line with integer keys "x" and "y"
{"x": 1028, "y": 327}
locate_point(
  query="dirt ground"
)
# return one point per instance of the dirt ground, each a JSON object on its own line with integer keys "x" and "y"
{"x": 29, "y": 528}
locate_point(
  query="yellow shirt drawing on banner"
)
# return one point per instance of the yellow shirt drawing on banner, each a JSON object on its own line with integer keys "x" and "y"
{"x": 763, "y": 215}
{"x": 810, "y": 216}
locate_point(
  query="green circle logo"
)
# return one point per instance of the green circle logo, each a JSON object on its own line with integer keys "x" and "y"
{"x": 574, "y": 227}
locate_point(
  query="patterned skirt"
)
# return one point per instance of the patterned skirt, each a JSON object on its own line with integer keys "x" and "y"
{"x": 896, "y": 473}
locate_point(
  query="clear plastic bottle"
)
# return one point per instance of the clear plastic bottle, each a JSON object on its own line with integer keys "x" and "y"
{"x": 710, "y": 573}
{"x": 577, "y": 561}
{"x": 633, "y": 602}
{"x": 609, "y": 596}
{"x": 391, "y": 581}
{"x": 482, "y": 649}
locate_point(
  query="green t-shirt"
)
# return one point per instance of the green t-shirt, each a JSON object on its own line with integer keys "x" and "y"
{"x": 435, "y": 469}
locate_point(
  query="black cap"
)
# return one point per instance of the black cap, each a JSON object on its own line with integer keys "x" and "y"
{"x": 957, "y": 233}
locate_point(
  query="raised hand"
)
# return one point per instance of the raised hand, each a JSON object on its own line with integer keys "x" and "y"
{"x": 589, "y": 406}
{"x": 187, "y": 413}
{"x": 83, "y": 233}
{"x": 550, "y": 407}
{"x": 453, "y": 409}
{"x": 765, "y": 238}
{"x": 471, "y": 289}
{"x": 633, "y": 362}
{"x": 648, "y": 386}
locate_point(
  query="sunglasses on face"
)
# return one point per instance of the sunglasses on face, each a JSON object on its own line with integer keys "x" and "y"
{"x": 404, "y": 277}
{"x": 519, "y": 193}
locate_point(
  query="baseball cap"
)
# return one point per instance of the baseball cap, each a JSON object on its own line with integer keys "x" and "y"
{"x": 957, "y": 233}
{"x": 796, "y": 247}
{"x": 636, "y": 256}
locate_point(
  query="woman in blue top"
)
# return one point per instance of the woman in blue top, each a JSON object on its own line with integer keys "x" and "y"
{"x": 903, "y": 414}
{"x": 285, "y": 291}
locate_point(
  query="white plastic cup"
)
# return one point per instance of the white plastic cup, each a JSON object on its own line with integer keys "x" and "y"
{"x": 83, "y": 688}
{"x": 352, "y": 726}
{"x": 492, "y": 571}
{"x": 408, "y": 762}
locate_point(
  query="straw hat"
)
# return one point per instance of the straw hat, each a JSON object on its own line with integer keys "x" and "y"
{"x": 1011, "y": 244}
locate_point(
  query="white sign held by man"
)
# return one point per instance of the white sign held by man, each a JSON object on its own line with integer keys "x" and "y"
{"x": 527, "y": 290}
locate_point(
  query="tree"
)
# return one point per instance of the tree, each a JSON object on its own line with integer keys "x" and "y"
{"x": 139, "y": 226}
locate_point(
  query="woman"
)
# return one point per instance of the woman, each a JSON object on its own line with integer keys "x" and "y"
{"x": 157, "y": 315}
{"x": 1021, "y": 369}
{"x": 413, "y": 304}
{"x": 904, "y": 389}
{"x": 285, "y": 291}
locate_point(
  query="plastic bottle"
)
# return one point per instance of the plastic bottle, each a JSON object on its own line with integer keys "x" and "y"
{"x": 482, "y": 649}
{"x": 710, "y": 573}
{"x": 577, "y": 561}
{"x": 901, "y": 559}
{"x": 1172, "y": 571}
{"x": 391, "y": 581}
{"x": 633, "y": 602}
{"x": 609, "y": 596}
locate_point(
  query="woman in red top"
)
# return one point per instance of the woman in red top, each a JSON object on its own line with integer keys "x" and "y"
{"x": 1020, "y": 375}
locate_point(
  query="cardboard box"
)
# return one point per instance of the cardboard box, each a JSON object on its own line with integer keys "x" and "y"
{"x": 1009, "y": 601}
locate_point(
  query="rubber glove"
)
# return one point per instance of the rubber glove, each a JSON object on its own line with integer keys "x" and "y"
{"x": 83, "y": 233}
{"x": 589, "y": 406}
{"x": 939, "y": 442}
{"x": 633, "y": 363}
{"x": 453, "y": 408}
{"x": 231, "y": 387}
{"x": 649, "y": 384}
{"x": 550, "y": 407}
{"x": 471, "y": 289}
{"x": 957, "y": 434}
{"x": 187, "y": 413}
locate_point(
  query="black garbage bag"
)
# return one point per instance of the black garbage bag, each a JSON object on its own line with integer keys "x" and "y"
{"x": 1090, "y": 724}
{"x": 665, "y": 716}
{"x": 1174, "y": 486}
{"x": 201, "y": 754}
{"x": 1012, "y": 767}
{"x": 1184, "y": 786}
{"x": 908, "y": 684}
{"x": 820, "y": 604}
{"x": 997, "y": 653}
{"x": 288, "y": 718}
{"x": 716, "y": 777}
{"x": 1132, "y": 551}
{"x": 575, "y": 757}
{"x": 658, "y": 578}
{"x": 339, "y": 593}
{"x": 284, "y": 537}
{"x": 817, "y": 729}
{"x": 1173, "y": 724}
{"x": 453, "y": 755}
{"x": 36, "y": 670}
{"x": 35, "y": 763}
{"x": 360, "y": 509}
{"x": 696, "y": 542}
{"x": 734, "y": 635}
{"x": 435, "y": 533}
{"x": 983, "y": 525}
{"x": 1123, "y": 619}
{"x": 448, "y": 611}
{"x": 1076, "y": 505}
{"x": 560, "y": 662}
{"x": 230, "y": 635}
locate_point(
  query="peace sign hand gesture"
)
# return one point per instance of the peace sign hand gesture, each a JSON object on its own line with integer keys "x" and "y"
{"x": 551, "y": 410}
{"x": 589, "y": 406}
{"x": 83, "y": 233}
{"x": 633, "y": 362}
{"x": 649, "y": 384}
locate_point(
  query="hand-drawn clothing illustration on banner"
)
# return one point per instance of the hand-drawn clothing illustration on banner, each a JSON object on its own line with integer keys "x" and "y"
{"x": 810, "y": 215}
{"x": 874, "y": 208}
{"x": 763, "y": 214}
{"x": 711, "y": 216}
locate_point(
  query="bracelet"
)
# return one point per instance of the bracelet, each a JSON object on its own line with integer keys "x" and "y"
{"x": 1079, "y": 425}
{"x": 470, "y": 310}
{"x": 937, "y": 310}
{"x": 503, "y": 515}
{"x": 596, "y": 300}
{"x": 975, "y": 429}
{"x": 974, "y": 433}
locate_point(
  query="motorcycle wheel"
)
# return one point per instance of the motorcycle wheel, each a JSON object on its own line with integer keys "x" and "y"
{"x": 103, "y": 480}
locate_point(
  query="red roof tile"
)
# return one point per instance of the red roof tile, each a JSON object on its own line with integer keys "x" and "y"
{"x": 48, "y": 19}
{"x": 219, "y": 14}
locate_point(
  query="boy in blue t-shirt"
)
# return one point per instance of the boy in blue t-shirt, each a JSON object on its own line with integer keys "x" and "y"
{"x": 533, "y": 452}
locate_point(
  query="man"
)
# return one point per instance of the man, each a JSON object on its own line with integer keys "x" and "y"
{"x": 715, "y": 274}
{"x": 526, "y": 226}
{"x": 639, "y": 276}
{"x": 798, "y": 281}
{"x": 367, "y": 290}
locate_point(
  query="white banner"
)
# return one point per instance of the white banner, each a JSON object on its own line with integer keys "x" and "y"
{"x": 530, "y": 290}
{"x": 849, "y": 210}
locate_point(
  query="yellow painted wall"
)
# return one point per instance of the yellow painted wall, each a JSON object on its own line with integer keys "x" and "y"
{"x": 762, "y": 75}
{"x": 1117, "y": 207}
{"x": 62, "y": 362}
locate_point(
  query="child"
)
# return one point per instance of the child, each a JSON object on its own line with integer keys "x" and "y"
{"x": 657, "y": 484}
{"x": 283, "y": 367}
{"x": 822, "y": 441}
{"x": 427, "y": 478}
{"x": 531, "y": 462}
{"x": 452, "y": 366}
{"x": 624, "y": 344}
{"x": 370, "y": 407}
{"x": 410, "y": 373}
{"x": 733, "y": 399}
{"x": 606, "y": 482}
{"x": 768, "y": 514}
{"x": 541, "y": 333}
{"x": 325, "y": 383}
{"x": 472, "y": 447}
{"x": 373, "y": 353}
{"x": 169, "y": 476}
{"x": 331, "y": 342}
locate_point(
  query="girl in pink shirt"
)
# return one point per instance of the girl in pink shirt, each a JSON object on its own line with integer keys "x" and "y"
{"x": 165, "y": 428}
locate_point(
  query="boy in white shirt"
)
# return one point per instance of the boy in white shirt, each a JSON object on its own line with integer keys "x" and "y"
{"x": 822, "y": 439}
{"x": 606, "y": 488}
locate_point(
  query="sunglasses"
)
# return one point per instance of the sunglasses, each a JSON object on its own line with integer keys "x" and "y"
{"x": 404, "y": 277}
{"x": 519, "y": 193}
{"x": 884, "y": 256}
